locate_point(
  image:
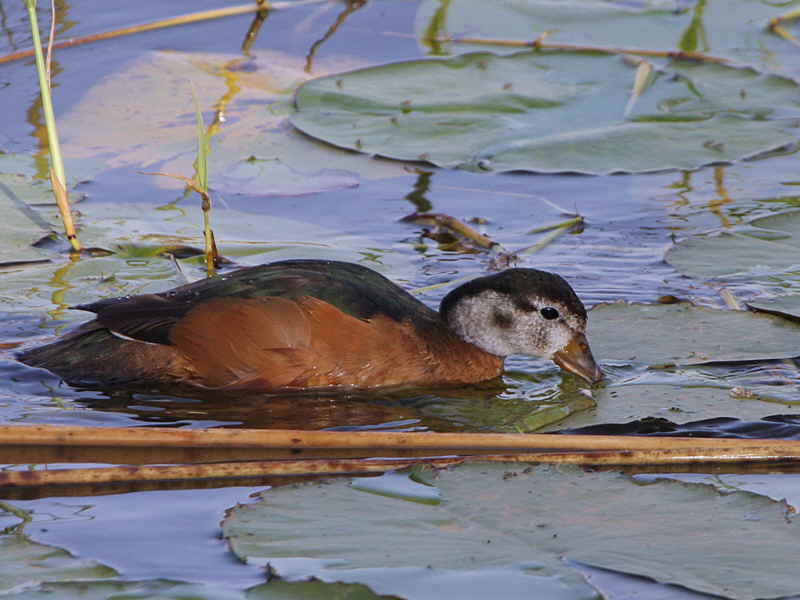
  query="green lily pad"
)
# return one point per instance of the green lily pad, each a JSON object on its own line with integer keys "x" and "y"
{"x": 765, "y": 247}
{"x": 683, "y": 333}
{"x": 787, "y": 307}
{"x": 677, "y": 397}
{"x": 496, "y": 518}
{"x": 156, "y": 589}
{"x": 778, "y": 487}
{"x": 550, "y": 113}
{"x": 734, "y": 29}
{"x": 27, "y": 563}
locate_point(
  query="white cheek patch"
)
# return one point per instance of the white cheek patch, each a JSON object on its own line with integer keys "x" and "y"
{"x": 473, "y": 320}
{"x": 527, "y": 332}
{"x": 559, "y": 337}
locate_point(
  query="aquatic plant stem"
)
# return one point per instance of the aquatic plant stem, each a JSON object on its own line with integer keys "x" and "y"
{"x": 201, "y": 177}
{"x": 776, "y": 26}
{"x": 57, "y": 176}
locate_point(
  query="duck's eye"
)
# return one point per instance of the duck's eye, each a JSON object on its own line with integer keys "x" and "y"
{"x": 549, "y": 313}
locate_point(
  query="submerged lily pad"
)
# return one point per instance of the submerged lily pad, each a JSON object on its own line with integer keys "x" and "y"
{"x": 110, "y": 123}
{"x": 764, "y": 247}
{"x": 550, "y": 113}
{"x": 28, "y": 563}
{"x": 498, "y": 518}
{"x": 686, "y": 334}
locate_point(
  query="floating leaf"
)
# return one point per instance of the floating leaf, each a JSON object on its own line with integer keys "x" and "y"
{"x": 683, "y": 333}
{"x": 21, "y": 224}
{"x": 550, "y": 113}
{"x": 499, "y": 519}
{"x": 787, "y": 307}
{"x": 155, "y": 589}
{"x": 766, "y": 246}
{"x": 734, "y": 29}
{"x": 28, "y": 563}
{"x": 778, "y": 487}
{"x": 677, "y": 397}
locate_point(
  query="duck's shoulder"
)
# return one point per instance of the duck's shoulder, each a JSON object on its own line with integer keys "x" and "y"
{"x": 353, "y": 289}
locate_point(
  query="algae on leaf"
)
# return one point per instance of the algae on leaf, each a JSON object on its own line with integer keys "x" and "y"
{"x": 505, "y": 518}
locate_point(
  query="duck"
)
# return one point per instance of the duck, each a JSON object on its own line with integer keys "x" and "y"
{"x": 321, "y": 324}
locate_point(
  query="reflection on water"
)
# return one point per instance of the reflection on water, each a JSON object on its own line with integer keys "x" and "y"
{"x": 510, "y": 405}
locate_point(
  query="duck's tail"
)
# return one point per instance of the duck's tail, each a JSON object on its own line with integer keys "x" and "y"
{"x": 92, "y": 355}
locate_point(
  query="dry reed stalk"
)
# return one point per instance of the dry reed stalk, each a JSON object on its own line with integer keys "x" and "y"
{"x": 229, "y": 470}
{"x": 452, "y": 443}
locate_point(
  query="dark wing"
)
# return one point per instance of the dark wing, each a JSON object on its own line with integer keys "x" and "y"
{"x": 353, "y": 289}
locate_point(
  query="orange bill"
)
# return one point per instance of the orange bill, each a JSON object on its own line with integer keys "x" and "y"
{"x": 576, "y": 357}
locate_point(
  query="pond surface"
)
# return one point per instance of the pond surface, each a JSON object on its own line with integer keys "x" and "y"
{"x": 125, "y": 107}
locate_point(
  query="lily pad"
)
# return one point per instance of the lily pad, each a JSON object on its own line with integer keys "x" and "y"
{"x": 21, "y": 225}
{"x": 550, "y": 113}
{"x": 683, "y": 333}
{"x": 787, "y": 307}
{"x": 27, "y": 563}
{"x": 496, "y": 518}
{"x": 781, "y": 488}
{"x": 676, "y": 397}
{"x": 156, "y": 589}
{"x": 764, "y": 247}
{"x": 734, "y": 29}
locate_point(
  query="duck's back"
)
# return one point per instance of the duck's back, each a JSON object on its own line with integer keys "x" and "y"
{"x": 286, "y": 325}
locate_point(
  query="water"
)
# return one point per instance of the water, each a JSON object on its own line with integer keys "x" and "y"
{"x": 630, "y": 223}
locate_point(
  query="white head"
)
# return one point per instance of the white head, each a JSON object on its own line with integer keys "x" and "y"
{"x": 523, "y": 311}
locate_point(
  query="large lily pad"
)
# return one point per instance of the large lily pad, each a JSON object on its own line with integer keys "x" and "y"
{"x": 733, "y": 29}
{"x": 496, "y": 517}
{"x": 550, "y": 113}
{"x": 28, "y": 563}
{"x": 683, "y": 333}
{"x": 765, "y": 247}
